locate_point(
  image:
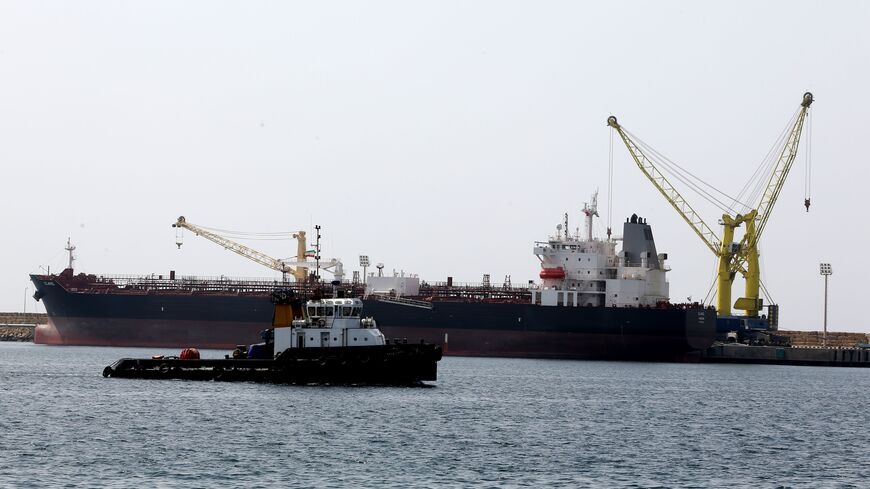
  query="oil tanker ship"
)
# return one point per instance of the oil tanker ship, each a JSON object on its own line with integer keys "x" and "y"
{"x": 592, "y": 303}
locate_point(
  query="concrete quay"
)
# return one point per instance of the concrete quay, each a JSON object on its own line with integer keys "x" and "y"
{"x": 795, "y": 355}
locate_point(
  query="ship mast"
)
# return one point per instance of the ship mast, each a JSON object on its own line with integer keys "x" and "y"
{"x": 590, "y": 212}
{"x": 70, "y": 248}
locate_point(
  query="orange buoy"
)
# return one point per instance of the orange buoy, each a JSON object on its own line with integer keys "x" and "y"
{"x": 189, "y": 354}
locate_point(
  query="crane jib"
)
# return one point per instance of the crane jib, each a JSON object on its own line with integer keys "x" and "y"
{"x": 733, "y": 257}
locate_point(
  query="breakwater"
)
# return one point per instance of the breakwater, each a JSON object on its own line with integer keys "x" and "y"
{"x": 16, "y": 332}
{"x": 19, "y": 326}
{"x": 23, "y": 318}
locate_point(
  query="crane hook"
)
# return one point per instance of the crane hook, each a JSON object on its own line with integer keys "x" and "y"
{"x": 807, "y": 204}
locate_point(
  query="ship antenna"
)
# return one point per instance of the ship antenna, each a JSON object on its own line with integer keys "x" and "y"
{"x": 566, "y": 226}
{"x": 70, "y": 248}
{"x": 317, "y": 253}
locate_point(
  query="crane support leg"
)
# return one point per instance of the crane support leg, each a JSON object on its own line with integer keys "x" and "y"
{"x": 300, "y": 273}
{"x": 725, "y": 277}
{"x": 750, "y": 302}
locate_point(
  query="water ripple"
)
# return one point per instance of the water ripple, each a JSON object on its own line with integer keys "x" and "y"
{"x": 489, "y": 423}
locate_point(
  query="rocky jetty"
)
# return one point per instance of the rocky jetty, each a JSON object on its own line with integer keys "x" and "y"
{"x": 16, "y": 333}
{"x": 19, "y": 326}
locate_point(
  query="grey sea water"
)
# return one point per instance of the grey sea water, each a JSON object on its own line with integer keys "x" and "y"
{"x": 486, "y": 423}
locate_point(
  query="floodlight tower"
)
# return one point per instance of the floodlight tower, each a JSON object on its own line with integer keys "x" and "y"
{"x": 364, "y": 263}
{"x": 825, "y": 270}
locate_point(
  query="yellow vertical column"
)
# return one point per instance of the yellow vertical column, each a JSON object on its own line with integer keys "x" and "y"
{"x": 750, "y": 302}
{"x": 725, "y": 276}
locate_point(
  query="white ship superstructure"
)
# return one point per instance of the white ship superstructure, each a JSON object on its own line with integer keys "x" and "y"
{"x": 329, "y": 323}
{"x": 584, "y": 271}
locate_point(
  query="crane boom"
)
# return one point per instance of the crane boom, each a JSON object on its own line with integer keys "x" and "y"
{"x": 720, "y": 247}
{"x": 240, "y": 249}
{"x": 299, "y": 267}
{"x": 783, "y": 166}
{"x": 732, "y": 259}
{"x": 748, "y": 250}
{"x": 668, "y": 191}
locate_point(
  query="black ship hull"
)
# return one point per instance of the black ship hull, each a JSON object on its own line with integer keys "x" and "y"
{"x": 474, "y": 328}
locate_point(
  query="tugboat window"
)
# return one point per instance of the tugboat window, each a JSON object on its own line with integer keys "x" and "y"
{"x": 329, "y": 311}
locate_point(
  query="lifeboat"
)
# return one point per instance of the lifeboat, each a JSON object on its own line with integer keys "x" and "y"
{"x": 556, "y": 273}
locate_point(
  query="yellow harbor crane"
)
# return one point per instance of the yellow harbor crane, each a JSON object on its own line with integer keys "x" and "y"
{"x": 298, "y": 268}
{"x": 732, "y": 257}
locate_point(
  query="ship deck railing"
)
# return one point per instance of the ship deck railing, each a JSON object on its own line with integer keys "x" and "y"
{"x": 475, "y": 291}
{"x": 190, "y": 284}
{"x": 144, "y": 284}
{"x": 402, "y": 301}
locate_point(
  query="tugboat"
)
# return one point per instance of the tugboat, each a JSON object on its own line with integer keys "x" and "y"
{"x": 324, "y": 341}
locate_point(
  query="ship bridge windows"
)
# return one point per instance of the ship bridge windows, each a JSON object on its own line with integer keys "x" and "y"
{"x": 327, "y": 311}
{"x": 348, "y": 311}
{"x": 315, "y": 311}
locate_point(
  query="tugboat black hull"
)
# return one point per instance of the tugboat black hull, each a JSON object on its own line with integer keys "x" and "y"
{"x": 396, "y": 364}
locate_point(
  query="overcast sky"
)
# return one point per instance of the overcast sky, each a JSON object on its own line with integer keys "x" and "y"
{"x": 440, "y": 138}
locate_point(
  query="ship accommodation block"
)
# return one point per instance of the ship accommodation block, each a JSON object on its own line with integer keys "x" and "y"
{"x": 589, "y": 273}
